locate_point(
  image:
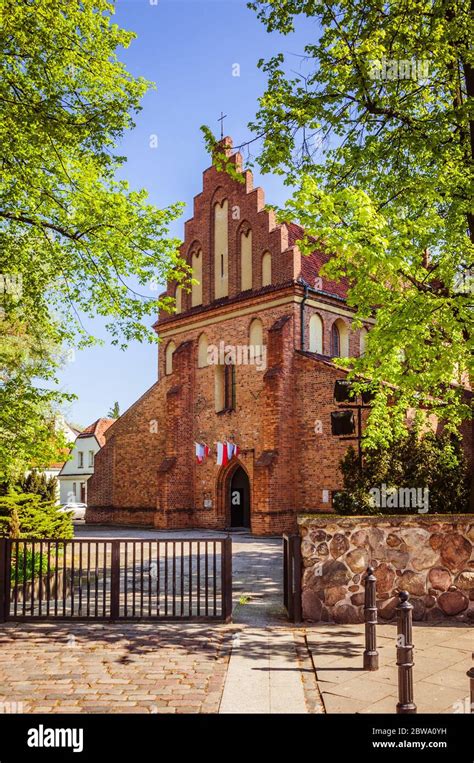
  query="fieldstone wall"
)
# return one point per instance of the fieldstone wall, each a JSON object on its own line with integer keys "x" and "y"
{"x": 430, "y": 557}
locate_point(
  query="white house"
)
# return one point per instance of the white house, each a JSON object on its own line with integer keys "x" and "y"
{"x": 77, "y": 470}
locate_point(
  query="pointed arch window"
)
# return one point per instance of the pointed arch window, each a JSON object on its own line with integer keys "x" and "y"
{"x": 316, "y": 334}
{"x": 170, "y": 348}
{"x": 335, "y": 341}
{"x": 221, "y": 269}
{"x": 179, "y": 299}
{"x": 202, "y": 351}
{"x": 266, "y": 269}
{"x": 196, "y": 289}
{"x": 339, "y": 339}
{"x": 246, "y": 260}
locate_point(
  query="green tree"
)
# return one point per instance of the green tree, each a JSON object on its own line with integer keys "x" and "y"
{"x": 435, "y": 462}
{"x": 75, "y": 241}
{"x": 38, "y": 483}
{"x": 32, "y": 517}
{"x": 114, "y": 411}
{"x": 375, "y": 134}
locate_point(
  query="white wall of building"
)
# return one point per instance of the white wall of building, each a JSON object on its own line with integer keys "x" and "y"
{"x": 77, "y": 470}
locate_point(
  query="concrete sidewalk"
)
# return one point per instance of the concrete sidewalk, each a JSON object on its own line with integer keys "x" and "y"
{"x": 442, "y": 655}
{"x": 268, "y": 670}
{"x": 264, "y": 675}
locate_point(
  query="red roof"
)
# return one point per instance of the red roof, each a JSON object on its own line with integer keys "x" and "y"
{"x": 312, "y": 263}
{"x": 97, "y": 429}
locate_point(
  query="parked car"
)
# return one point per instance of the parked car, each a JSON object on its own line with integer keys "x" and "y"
{"x": 78, "y": 510}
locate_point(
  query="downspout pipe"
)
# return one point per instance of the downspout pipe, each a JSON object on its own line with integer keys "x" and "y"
{"x": 302, "y": 304}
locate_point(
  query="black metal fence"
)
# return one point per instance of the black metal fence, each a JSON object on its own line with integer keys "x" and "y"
{"x": 292, "y": 571}
{"x": 126, "y": 579}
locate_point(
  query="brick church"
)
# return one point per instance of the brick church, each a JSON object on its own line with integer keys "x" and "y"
{"x": 245, "y": 359}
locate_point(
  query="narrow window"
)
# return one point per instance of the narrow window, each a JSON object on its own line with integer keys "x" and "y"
{"x": 196, "y": 288}
{"x": 335, "y": 342}
{"x": 179, "y": 299}
{"x": 246, "y": 260}
{"x": 266, "y": 269}
{"x": 91, "y": 458}
{"x": 80, "y": 459}
{"x": 316, "y": 334}
{"x": 169, "y": 358}
{"x": 202, "y": 351}
{"x": 229, "y": 381}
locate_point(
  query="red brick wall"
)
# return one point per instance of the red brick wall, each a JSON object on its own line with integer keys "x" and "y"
{"x": 146, "y": 473}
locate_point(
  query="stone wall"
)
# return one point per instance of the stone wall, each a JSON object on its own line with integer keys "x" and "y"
{"x": 431, "y": 557}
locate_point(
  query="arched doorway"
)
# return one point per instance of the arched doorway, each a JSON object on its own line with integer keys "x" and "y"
{"x": 239, "y": 499}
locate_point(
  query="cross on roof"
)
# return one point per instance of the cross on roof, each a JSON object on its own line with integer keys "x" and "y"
{"x": 221, "y": 120}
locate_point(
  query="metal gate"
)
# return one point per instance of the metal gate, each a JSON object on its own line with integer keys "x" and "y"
{"x": 292, "y": 571}
{"x": 126, "y": 579}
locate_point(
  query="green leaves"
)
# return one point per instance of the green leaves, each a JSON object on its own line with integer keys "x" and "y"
{"x": 376, "y": 136}
{"x": 82, "y": 242}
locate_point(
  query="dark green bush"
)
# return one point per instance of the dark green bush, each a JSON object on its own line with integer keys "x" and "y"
{"x": 39, "y": 484}
{"x": 436, "y": 462}
{"x": 26, "y": 515}
{"x": 22, "y": 569}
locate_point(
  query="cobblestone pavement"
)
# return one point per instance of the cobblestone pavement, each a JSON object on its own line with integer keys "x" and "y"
{"x": 83, "y": 668}
{"x": 258, "y": 663}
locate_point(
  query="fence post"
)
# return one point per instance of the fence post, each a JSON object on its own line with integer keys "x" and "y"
{"x": 226, "y": 563}
{"x": 470, "y": 675}
{"x": 3, "y": 587}
{"x": 371, "y": 655}
{"x": 290, "y": 604}
{"x": 405, "y": 663}
{"x": 115, "y": 581}
{"x": 297, "y": 613}
{"x": 285, "y": 571}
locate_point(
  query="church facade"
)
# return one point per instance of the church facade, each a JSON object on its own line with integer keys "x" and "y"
{"x": 246, "y": 359}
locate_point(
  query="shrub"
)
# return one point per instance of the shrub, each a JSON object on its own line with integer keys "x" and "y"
{"x": 39, "y": 484}
{"x": 22, "y": 569}
{"x": 430, "y": 461}
{"x": 26, "y": 515}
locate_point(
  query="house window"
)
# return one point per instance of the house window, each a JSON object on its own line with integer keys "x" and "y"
{"x": 91, "y": 458}
{"x": 80, "y": 459}
{"x": 335, "y": 342}
{"x": 74, "y": 489}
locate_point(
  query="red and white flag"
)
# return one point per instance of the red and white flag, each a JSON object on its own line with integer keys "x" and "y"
{"x": 222, "y": 454}
{"x": 202, "y": 451}
{"x": 232, "y": 450}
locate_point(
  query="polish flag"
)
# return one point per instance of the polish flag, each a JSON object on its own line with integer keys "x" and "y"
{"x": 202, "y": 451}
{"x": 222, "y": 454}
{"x": 232, "y": 450}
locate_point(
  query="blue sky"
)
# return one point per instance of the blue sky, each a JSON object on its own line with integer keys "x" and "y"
{"x": 188, "y": 48}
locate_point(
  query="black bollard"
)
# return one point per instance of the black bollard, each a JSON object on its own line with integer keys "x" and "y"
{"x": 371, "y": 656}
{"x": 405, "y": 663}
{"x": 470, "y": 675}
